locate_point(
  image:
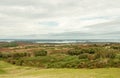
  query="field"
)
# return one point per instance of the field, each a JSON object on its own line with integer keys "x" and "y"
{"x": 11, "y": 71}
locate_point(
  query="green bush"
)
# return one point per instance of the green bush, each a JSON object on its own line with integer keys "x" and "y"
{"x": 40, "y": 53}
{"x": 116, "y": 47}
{"x": 105, "y": 54}
{"x": 5, "y": 55}
{"x": 82, "y": 51}
{"x": 18, "y": 55}
{"x": 117, "y": 56}
{"x": 114, "y": 63}
{"x": 90, "y": 50}
{"x": 74, "y": 52}
{"x": 83, "y": 56}
{"x": 14, "y": 55}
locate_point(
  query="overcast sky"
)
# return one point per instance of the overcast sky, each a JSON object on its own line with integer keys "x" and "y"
{"x": 60, "y": 19}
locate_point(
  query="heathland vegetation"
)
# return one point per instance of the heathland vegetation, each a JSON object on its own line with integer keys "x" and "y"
{"x": 88, "y": 55}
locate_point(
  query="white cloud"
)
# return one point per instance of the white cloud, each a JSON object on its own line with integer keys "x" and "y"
{"x": 44, "y": 18}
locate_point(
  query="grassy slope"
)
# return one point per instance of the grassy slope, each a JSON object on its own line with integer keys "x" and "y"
{"x": 11, "y": 71}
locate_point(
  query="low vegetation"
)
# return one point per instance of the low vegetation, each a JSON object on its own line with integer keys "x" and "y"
{"x": 11, "y": 44}
{"x": 65, "y": 56}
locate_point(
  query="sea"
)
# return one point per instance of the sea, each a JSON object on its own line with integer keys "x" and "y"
{"x": 61, "y": 40}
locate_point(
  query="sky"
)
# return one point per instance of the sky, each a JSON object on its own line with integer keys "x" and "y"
{"x": 59, "y": 19}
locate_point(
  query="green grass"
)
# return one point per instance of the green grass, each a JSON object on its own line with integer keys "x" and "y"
{"x": 2, "y": 71}
{"x": 11, "y": 71}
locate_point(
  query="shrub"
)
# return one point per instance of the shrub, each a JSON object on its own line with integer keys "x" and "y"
{"x": 83, "y": 56}
{"x": 82, "y": 51}
{"x": 40, "y": 53}
{"x": 89, "y": 50}
{"x": 91, "y": 57}
{"x": 114, "y": 62}
{"x": 19, "y": 55}
{"x": 118, "y": 56}
{"x": 74, "y": 52}
{"x": 5, "y": 55}
{"x": 106, "y": 54}
{"x": 116, "y": 47}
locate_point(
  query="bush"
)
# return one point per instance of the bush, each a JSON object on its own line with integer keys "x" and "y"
{"x": 116, "y": 47}
{"x": 65, "y": 62}
{"x": 83, "y": 56}
{"x": 74, "y": 52}
{"x": 40, "y": 53}
{"x": 118, "y": 56}
{"x": 18, "y": 55}
{"x": 82, "y": 51}
{"x": 106, "y": 54}
{"x": 90, "y": 50}
{"x": 114, "y": 62}
{"x": 5, "y": 55}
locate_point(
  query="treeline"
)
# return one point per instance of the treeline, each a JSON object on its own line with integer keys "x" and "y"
{"x": 93, "y": 57}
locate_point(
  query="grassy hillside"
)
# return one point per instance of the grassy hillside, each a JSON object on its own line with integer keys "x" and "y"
{"x": 12, "y": 71}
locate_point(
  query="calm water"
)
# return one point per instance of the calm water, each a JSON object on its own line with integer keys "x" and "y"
{"x": 61, "y": 41}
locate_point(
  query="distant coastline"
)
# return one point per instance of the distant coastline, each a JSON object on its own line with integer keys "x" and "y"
{"x": 61, "y": 40}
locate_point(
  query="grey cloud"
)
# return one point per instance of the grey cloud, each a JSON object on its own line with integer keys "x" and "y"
{"x": 63, "y": 8}
{"x": 103, "y": 30}
{"x": 107, "y": 27}
{"x": 27, "y": 18}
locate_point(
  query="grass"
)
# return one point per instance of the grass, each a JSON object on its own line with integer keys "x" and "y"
{"x": 2, "y": 71}
{"x": 12, "y": 71}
